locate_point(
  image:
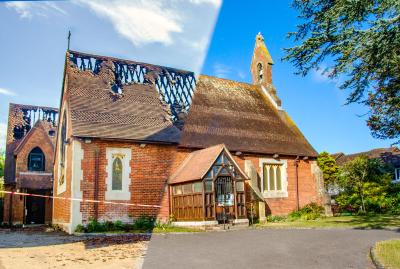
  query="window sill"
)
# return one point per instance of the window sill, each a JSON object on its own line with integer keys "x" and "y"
{"x": 118, "y": 195}
{"x": 275, "y": 194}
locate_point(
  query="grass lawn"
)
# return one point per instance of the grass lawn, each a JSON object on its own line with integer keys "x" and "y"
{"x": 362, "y": 222}
{"x": 388, "y": 253}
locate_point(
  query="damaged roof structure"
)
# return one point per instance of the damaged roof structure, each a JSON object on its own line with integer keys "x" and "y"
{"x": 113, "y": 98}
{"x": 22, "y": 120}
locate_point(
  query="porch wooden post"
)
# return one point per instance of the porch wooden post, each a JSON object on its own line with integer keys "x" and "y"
{"x": 235, "y": 200}
{"x": 204, "y": 201}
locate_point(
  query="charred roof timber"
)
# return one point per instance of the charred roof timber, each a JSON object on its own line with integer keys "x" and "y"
{"x": 174, "y": 86}
{"x": 25, "y": 117}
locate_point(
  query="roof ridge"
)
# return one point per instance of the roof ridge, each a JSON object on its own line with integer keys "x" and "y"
{"x": 103, "y": 57}
{"x": 230, "y": 80}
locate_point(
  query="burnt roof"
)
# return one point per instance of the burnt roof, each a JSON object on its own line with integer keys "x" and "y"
{"x": 21, "y": 120}
{"x": 136, "y": 113}
{"x": 226, "y": 112}
{"x": 239, "y": 116}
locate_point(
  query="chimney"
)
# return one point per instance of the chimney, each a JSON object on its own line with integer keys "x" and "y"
{"x": 261, "y": 69}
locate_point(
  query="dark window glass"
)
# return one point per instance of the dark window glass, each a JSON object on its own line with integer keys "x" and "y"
{"x": 36, "y": 161}
{"x": 117, "y": 175}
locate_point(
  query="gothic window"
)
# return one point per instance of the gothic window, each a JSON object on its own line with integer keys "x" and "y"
{"x": 272, "y": 177}
{"x": 63, "y": 139}
{"x": 117, "y": 174}
{"x": 36, "y": 160}
{"x": 260, "y": 72}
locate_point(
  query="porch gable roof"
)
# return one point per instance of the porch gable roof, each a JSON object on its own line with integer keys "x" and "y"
{"x": 199, "y": 162}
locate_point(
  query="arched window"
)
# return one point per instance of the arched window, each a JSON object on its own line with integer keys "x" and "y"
{"x": 117, "y": 174}
{"x": 260, "y": 72}
{"x": 36, "y": 160}
{"x": 63, "y": 139}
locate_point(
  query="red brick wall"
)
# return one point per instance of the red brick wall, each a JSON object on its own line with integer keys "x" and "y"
{"x": 308, "y": 189}
{"x": 62, "y": 208}
{"x": 17, "y": 210}
{"x": 151, "y": 166}
{"x": 38, "y": 138}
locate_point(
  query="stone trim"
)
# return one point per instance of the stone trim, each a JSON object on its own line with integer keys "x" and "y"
{"x": 126, "y": 155}
{"x": 284, "y": 177}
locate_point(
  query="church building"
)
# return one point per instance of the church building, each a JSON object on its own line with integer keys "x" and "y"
{"x": 30, "y": 143}
{"x": 151, "y": 140}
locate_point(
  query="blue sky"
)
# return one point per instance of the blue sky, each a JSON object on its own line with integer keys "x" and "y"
{"x": 177, "y": 33}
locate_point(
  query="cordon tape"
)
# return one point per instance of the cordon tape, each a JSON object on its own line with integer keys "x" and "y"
{"x": 77, "y": 199}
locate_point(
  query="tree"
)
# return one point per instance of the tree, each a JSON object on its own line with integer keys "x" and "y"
{"x": 359, "y": 42}
{"x": 363, "y": 182}
{"x": 329, "y": 169}
{"x": 1, "y": 166}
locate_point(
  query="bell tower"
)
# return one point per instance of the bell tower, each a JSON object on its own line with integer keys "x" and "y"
{"x": 261, "y": 69}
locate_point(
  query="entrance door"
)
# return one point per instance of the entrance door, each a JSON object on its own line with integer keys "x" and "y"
{"x": 224, "y": 198}
{"x": 35, "y": 210}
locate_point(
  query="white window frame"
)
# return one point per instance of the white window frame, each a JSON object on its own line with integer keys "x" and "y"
{"x": 125, "y": 154}
{"x": 397, "y": 174}
{"x": 62, "y": 169}
{"x": 284, "y": 182}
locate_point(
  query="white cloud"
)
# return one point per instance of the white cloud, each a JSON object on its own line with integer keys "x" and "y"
{"x": 27, "y": 10}
{"x": 221, "y": 70}
{"x": 216, "y": 3}
{"x": 139, "y": 21}
{"x": 7, "y": 92}
{"x": 3, "y": 135}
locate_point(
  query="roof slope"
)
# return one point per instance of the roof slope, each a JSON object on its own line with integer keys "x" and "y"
{"x": 97, "y": 111}
{"x": 383, "y": 153}
{"x": 239, "y": 116}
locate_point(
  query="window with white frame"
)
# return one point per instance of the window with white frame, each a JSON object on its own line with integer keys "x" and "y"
{"x": 397, "y": 174}
{"x": 118, "y": 173}
{"x": 274, "y": 178}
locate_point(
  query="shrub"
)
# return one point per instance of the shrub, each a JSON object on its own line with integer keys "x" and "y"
{"x": 80, "y": 228}
{"x": 144, "y": 223}
{"x": 311, "y": 211}
{"x": 276, "y": 218}
{"x": 95, "y": 226}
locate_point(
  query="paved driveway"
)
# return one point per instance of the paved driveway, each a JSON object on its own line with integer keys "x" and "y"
{"x": 269, "y": 248}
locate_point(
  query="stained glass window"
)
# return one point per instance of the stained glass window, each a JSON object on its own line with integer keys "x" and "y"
{"x": 36, "y": 160}
{"x": 117, "y": 175}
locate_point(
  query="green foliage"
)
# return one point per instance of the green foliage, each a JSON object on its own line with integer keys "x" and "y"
{"x": 276, "y": 218}
{"x": 366, "y": 187}
{"x": 2, "y": 159}
{"x": 142, "y": 224}
{"x": 311, "y": 211}
{"x": 357, "y": 42}
{"x": 80, "y": 228}
{"x": 329, "y": 168}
